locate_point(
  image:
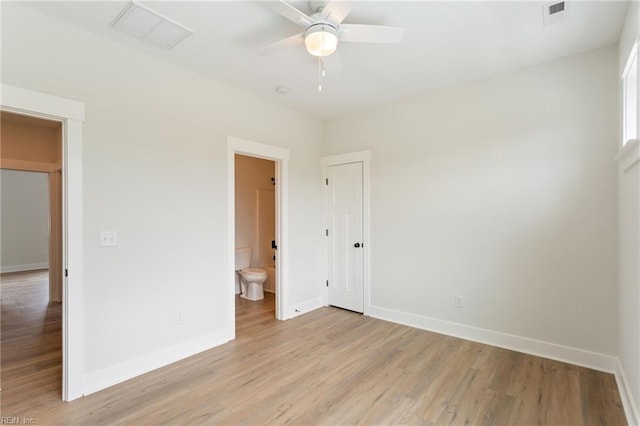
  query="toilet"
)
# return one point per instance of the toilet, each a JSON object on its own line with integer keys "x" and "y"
{"x": 251, "y": 279}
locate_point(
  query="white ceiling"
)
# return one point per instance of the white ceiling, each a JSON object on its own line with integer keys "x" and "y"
{"x": 446, "y": 43}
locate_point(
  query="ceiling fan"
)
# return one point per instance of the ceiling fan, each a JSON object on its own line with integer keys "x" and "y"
{"x": 324, "y": 29}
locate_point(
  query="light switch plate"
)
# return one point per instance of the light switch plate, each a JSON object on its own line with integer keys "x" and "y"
{"x": 108, "y": 238}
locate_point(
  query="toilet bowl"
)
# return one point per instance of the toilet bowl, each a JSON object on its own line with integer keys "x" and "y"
{"x": 252, "y": 283}
{"x": 251, "y": 279}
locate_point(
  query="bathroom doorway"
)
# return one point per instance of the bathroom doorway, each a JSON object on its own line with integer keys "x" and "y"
{"x": 257, "y": 219}
{"x": 255, "y": 227}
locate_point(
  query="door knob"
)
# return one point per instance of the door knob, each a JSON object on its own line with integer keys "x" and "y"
{"x": 356, "y": 245}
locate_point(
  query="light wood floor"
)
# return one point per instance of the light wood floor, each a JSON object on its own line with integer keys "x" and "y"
{"x": 31, "y": 356}
{"x": 326, "y": 367}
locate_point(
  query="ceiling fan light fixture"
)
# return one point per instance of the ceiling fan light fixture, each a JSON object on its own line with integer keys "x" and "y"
{"x": 321, "y": 39}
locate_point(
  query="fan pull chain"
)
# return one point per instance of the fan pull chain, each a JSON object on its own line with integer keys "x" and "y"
{"x": 320, "y": 73}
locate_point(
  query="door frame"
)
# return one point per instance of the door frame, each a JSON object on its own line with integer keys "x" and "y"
{"x": 71, "y": 114}
{"x": 281, "y": 158}
{"x": 363, "y": 157}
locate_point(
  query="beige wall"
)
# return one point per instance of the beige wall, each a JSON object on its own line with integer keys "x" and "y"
{"x": 252, "y": 174}
{"x": 31, "y": 140}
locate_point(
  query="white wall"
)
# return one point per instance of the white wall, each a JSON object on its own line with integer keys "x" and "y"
{"x": 629, "y": 33}
{"x": 154, "y": 161}
{"x": 629, "y": 241}
{"x": 25, "y": 221}
{"x": 629, "y": 275}
{"x": 502, "y": 191}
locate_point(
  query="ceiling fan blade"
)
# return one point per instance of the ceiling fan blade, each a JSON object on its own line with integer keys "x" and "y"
{"x": 284, "y": 9}
{"x": 370, "y": 33}
{"x": 295, "y": 40}
{"x": 336, "y": 11}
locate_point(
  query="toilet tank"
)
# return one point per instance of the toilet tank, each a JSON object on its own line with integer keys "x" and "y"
{"x": 243, "y": 257}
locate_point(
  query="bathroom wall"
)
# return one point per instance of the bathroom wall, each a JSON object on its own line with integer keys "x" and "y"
{"x": 252, "y": 175}
{"x": 25, "y": 221}
{"x": 266, "y": 217}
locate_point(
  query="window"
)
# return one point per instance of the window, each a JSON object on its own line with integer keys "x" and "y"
{"x": 630, "y": 97}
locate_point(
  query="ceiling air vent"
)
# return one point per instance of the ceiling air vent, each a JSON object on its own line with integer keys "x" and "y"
{"x": 555, "y": 12}
{"x": 148, "y": 25}
{"x": 556, "y": 8}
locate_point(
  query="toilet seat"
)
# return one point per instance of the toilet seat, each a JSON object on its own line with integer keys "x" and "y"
{"x": 253, "y": 273}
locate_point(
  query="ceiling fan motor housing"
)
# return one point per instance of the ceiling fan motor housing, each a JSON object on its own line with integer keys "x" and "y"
{"x": 321, "y": 38}
{"x": 316, "y": 6}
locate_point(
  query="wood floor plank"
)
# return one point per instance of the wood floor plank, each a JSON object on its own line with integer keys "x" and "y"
{"x": 326, "y": 367}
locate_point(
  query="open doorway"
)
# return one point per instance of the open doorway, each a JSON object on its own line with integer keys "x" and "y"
{"x": 255, "y": 239}
{"x": 32, "y": 256}
{"x": 279, "y": 158}
{"x": 70, "y": 114}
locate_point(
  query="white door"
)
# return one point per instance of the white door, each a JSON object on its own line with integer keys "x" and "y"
{"x": 344, "y": 234}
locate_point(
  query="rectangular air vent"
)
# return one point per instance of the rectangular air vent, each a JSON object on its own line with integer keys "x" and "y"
{"x": 556, "y": 8}
{"x": 148, "y": 25}
{"x": 555, "y": 12}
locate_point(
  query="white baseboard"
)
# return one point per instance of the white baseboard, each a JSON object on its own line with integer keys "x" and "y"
{"x": 583, "y": 358}
{"x": 119, "y": 373}
{"x": 304, "y": 307}
{"x": 630, "y": 407}
{"x": 22, "y": 268}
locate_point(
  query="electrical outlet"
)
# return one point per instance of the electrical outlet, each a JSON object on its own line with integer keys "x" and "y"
{"x": 179, "y": 318}
{"x": 108, "y": 239}
{"x": 459, "y": 301}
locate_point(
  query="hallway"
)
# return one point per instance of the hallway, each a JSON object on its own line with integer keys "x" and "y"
{"x": 31, "y": 341}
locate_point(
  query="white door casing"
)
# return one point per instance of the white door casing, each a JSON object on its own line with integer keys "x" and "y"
{"x": 71, "y": 114}
{"x": 363, "y": 157}
{"x": 281, "y": 157}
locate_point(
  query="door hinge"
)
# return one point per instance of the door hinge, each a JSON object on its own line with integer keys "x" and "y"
{"x": 66, "y": 272}
{"x": 326, "y": 232}
{"x": 327, "y": 283}
{"x": 326, "y": 181}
